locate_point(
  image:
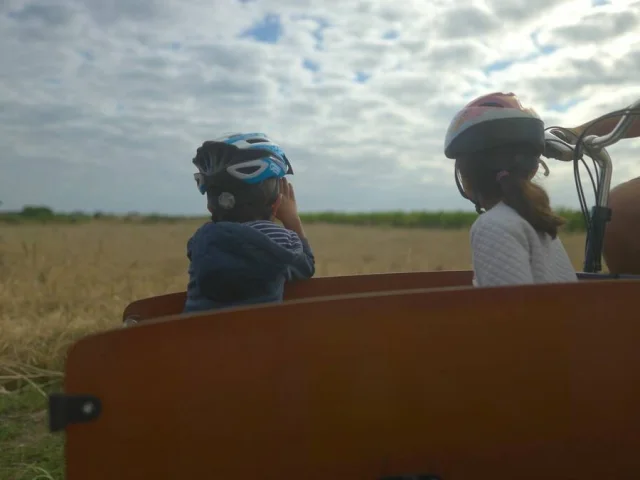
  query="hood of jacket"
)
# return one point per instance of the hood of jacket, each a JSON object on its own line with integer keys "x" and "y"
{"x": 232, "y": 261}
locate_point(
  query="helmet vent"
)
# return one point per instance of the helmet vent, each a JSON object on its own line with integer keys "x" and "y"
{"x": 256, "y": 140}
{"x": 248, "y": 170}
{"x": 491, "y": 104}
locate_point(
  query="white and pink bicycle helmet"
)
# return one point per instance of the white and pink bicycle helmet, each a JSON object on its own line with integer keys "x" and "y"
{"x": 491, "y": 121}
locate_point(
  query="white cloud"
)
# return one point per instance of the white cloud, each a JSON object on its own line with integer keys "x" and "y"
{"x": 103, "y": 104}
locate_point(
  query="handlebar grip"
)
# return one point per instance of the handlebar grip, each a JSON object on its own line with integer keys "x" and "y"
{"x": 557, "y": 148}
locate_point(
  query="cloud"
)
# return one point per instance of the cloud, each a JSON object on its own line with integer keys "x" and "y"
{"x": 595, "y": 28}
{"x": 103, "y": 104}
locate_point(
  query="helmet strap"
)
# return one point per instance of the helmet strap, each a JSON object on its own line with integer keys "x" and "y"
{"x": 479, "y": 209}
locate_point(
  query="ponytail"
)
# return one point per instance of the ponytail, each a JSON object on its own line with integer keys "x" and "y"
{"x": 504, "y": 174}
{"x": 531, "y": 202}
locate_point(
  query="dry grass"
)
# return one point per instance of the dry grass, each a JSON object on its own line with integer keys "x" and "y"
{"x": 62, "y": 282}
{"x": 58, "y": 283}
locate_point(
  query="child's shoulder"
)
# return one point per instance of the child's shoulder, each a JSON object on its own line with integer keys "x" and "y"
{"x": 217, "y": 232}
{"x": 277, "y": 233}
{"x": 499, "y": 226}
{"x": 209, "y": 229}
{"x": 269, "y": 228}
{"x": 264, "y": 225}
{"x": 500, "y": 217}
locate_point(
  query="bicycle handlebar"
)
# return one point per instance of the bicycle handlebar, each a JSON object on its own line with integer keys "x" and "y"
{"x": 558, "y": 146}
{"x": 618, "y": 131}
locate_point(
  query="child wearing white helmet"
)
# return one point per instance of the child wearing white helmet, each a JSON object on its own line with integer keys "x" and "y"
{"x": 496, "y": 144}
{"x": 242, "y": 256}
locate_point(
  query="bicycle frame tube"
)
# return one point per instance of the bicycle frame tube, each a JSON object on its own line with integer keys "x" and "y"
{"x": 602, "y": 157}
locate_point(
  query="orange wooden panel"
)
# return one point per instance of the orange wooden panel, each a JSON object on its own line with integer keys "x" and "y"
{"x": 173, "y": 303}
{"x": 522, "y": 382}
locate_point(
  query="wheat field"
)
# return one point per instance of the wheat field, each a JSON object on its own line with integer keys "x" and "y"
{"x": 61, "y": 282}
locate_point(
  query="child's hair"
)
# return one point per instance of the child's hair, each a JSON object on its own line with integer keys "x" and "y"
{"x": 503, "y": 174}
{"x": 240, "y": 202}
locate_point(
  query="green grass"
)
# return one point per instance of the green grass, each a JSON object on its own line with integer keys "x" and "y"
{"x": 27, "y": 450}
{"x": 416, "y": 219}
{"x": 433, "y": 220}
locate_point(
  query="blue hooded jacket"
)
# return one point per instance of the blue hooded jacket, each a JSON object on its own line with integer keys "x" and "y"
{"x": 236, "y": 264}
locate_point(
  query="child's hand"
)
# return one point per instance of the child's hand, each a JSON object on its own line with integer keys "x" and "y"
{"x": 288, "y": 210}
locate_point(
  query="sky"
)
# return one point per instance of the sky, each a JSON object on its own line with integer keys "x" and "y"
{"x": 104, "y": 103}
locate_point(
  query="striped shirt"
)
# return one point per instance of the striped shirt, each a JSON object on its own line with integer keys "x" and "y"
{"x": 278, "y": 234}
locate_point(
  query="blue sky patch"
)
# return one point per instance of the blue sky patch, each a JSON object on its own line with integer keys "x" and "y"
{"x": 318, "y": 32}
{"x": 534, "y": 38}
{"x": 565, "y": 106}
{"x": 87, "y": 55}
{"x": 173, "y": 46}
{"x": 498, "y": 66}
{"x": 362, "y": 77}
{"x": 391, "y": 35}
{"x": 310, "y": 65}
{"x": 543, "y": 50}
{"x": 268, "y": 30}
{"x": 547, "y": 49}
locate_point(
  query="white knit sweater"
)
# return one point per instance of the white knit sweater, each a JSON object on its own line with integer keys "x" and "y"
{"x": 507, "y": 250}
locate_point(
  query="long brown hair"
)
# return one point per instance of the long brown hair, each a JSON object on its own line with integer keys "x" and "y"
{"x": 503, "y": 174}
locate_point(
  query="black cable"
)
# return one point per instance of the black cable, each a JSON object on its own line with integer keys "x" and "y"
{"x": 579, "y": 144}
{"x": 577, "y": 154}
{"x": 578, "y": 181}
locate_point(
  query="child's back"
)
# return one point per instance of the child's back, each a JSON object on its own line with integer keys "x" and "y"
{"x": 243, "y": 263}
{"x": 242, "y": 256}
{"x": 507, "y": 250}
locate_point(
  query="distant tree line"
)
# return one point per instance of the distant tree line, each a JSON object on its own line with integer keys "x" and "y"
{"x": 419, "y": 219}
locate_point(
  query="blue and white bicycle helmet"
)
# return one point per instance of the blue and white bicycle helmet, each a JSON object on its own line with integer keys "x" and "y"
{"x": 248, "y": 157}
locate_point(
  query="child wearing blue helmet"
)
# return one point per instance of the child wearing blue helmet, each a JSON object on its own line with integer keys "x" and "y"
{"x": 242, "y": 256}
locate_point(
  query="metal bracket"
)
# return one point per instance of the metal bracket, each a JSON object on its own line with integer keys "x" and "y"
{"x": 66, "y": 409}
{"x": 130, "y": 321}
